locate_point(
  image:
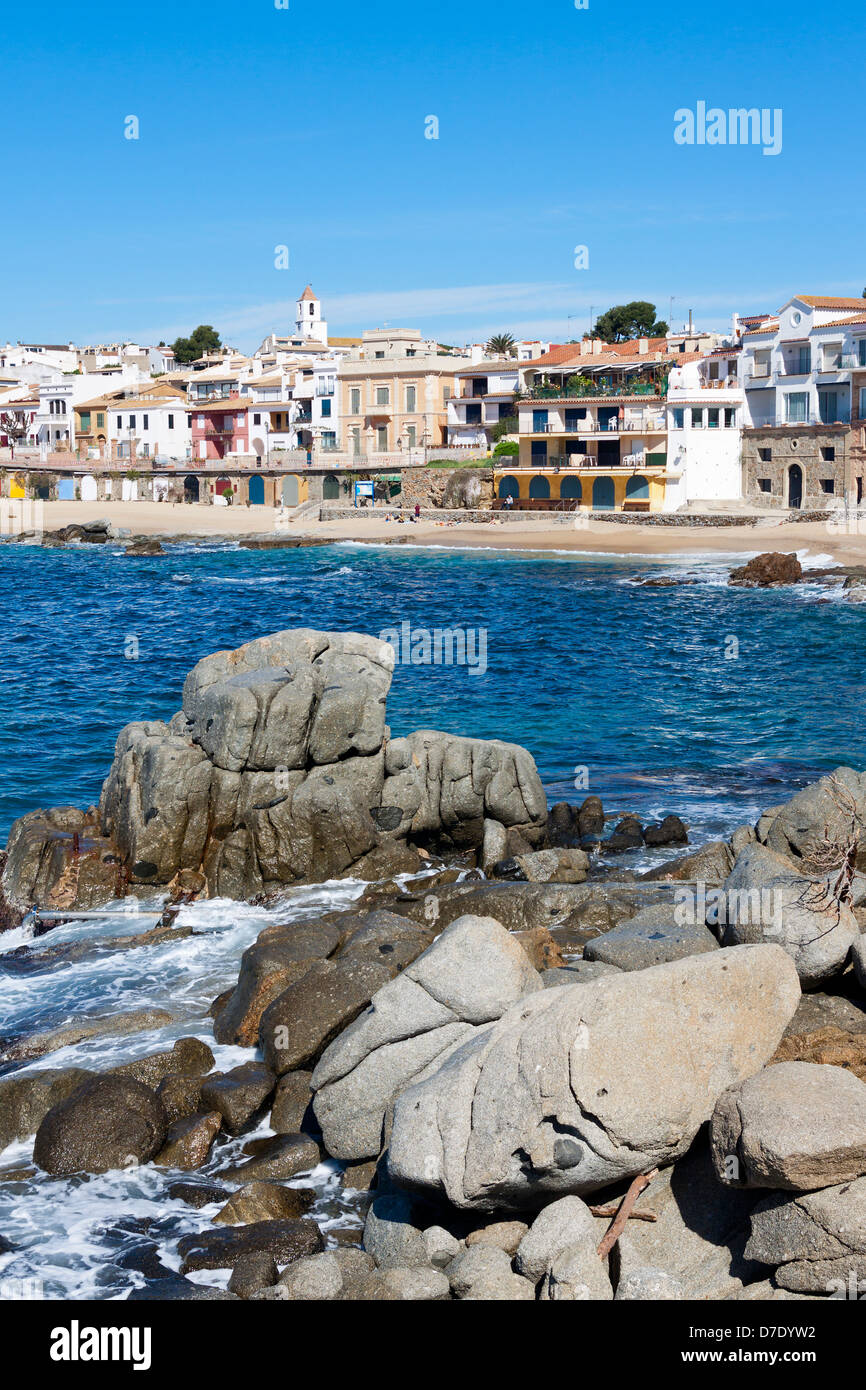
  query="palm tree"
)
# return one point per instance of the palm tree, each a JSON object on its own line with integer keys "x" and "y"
{"x": 501, "y": 345}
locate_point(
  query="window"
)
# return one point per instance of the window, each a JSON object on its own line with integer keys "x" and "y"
{"x": 355, "y": 401}
{"x": 100, "y": 420}
{"x": 410, "y": 352}
{"x": 383, "y": 395}
{"x": 411, "y": 394}
{"x": 713, "y": 417}
{"x": 797, "y": 408}
{"x": 85, "y": 422}
{"x": 356, "y": 441}
{"x": 132, "y": 422}
{"x": 539, "y": 421}
{"x": 382, "y": 439}
{"x": 329, "y": 439}
{"x": 828, "y": 455}
{"x": 730, "y": 417}
{"x": 145, "y": 422}
{"x": 257, "y": 419}
{"x": 863, "y": 402}
{"x": 120, "y": 422}
{"x": 171, "y": 422}
{"x": 861, "y": 351}
{"x": 411, "y": 436}
{"x": 765, "y": 455}
{"x": 732, "y": 367}
{"x": 679, "y": 417}
{"x": 446, "y": 393}
{"x": 697, "y": 418}
{"x": 828, "y": 485}
{"x": 829, "y": 407}
{"x": 765, "y": 485}
{"x": 326, "y": 409}
{"x": 378, "y": 354}
{"x": 145, "y": 449}
{"x": 714, "y": 371}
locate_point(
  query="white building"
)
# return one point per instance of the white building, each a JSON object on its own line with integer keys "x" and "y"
{"x": 485, "y": 397}
{"x": 705, "y": 403}
{"x": 150, "y": 424}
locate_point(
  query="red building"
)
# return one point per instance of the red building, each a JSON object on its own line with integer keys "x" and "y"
{"x": 220, "y": 428}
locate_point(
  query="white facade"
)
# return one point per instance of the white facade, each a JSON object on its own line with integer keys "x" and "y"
{"x": 154, "y": 427}
{"x": 485, "y": 395}
{"x": 798, "y": 369}
{"x": 309, "y": 323}
{"x": 705, "y": 405}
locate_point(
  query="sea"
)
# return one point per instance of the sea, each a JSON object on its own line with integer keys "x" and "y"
{"x": 695, "y": 698}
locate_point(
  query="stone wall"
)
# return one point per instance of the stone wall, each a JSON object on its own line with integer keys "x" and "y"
{"x": 802, "y": 445}
{"x": 464, "y": 488}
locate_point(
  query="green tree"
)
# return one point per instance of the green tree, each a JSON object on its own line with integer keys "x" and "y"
{"x": 625, "y": 321}
{"x": 501, "y": 345}
{"x": 203, "y": 339}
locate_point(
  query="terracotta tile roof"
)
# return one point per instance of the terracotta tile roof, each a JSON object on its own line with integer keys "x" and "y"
{"x": 726, "y": 351}
{"x": 227, "y": 403}
{"x": 308, "y": 294}
{"x": 843, "y": 323}
{"x": 771, "y": 327}
{"x": 823, "y": 301}
{"x": 755, "y": 318}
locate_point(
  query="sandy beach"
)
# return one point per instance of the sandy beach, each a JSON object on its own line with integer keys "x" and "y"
{"x": 175, "y": 520}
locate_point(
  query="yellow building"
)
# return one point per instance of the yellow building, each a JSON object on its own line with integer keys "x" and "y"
{"x": 395, "y": 390}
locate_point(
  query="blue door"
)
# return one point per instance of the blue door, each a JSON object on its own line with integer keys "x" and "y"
{"x": 508, "y": 486}
{"x": 539, "y": 487}
{"x": 257, "y": 491}
{"x": 603, "y": 495}
{"x": 637, "y": 487}
{"x": 571, "y": 489}
{"x": 66, "y": 490}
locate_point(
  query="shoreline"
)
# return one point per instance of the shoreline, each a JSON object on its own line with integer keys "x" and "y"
{"x": 174, "y": 522}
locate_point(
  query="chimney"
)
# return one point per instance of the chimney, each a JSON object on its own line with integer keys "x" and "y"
{"x": 643, "y": 346}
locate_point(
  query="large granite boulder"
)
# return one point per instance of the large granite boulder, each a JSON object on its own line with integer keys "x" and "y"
{"x": 818, "y": 1239}
{"x": 830, "y": 809}
{"x": 471, "y": 974}
{"x": 796, "y": 1126}
{"x": 576, "y": 1088}
{"x": 277, "y": 769}
{"x": 766, "y": 897}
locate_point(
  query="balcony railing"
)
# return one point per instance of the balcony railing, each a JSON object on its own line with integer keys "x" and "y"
{"x": 555, "y": 393}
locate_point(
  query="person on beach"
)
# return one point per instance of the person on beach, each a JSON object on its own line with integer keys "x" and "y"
{"x": 417, "y": 511}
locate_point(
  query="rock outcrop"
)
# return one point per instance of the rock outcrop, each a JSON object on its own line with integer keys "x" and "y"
{"x": 278, "y": 769}
{"x": 576, "y": 1088}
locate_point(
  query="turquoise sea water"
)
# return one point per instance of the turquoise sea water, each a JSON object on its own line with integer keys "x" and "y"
{"x": 585, "y": 668}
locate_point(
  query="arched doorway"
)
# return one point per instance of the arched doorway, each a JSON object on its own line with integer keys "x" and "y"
{"x": 570, "y": 488}
{"x": 603, "y": 495}
{"x": 795, "y": 485}
{"x": 190, "y": 488}
{"x": 637, "y": 487}
{"x": 539, "y": 486}
{"x": 331, "y": 488}
{"x": 509, "y": 487}
{"x": 222, "y": 492}
{"x": 257, "y": 491}
{"x": 88, "y": 488}
{"x": 290, "y": 491}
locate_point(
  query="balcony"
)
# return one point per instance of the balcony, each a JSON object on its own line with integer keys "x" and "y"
{"x": 378, "y": 408}
{"x": 598, "y": 389}
{"x": 759, "y": 376}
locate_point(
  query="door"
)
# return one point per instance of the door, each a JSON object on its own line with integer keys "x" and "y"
{"x": 795, "y": 485}
{"x": 603, "y": 495}
{"x": 88, "y": 489}
{"x": 66, "y": 490}
{"x": 290, "y": 491}
{"x": 257, "y": 492}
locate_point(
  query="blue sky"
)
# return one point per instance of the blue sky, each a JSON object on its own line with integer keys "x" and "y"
{"x": 305, "y": 127}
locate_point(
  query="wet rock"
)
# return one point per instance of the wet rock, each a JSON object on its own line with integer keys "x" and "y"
{"x": 263, "y": 1201}
{"x": 291, "y": 1102}
{"x": 360, "y": 1177}
{"x": 573, "y": 1089}
{"x": 276, "y": 960}
{"x": 258, "y": 1270}
{"x": 238, "y": 1095}
{"x": 177, "y": 1289}
{"x": 79, "y": 1029}
{"x": 669, "y": 831}
{"x": 765, "y": 898}
{"x": 188, "y": 1057}
{"x": 181, "y": 1096}
{"x": 286, "y": 1241}
{"x": 188, "y": 1142}
{"x": 386, "y": 937}
{"x": 297, "y": 1027}
{"x": 197, "y": 1194}
{"x": 627, "y": 834}
{"x": 767, "y": 570}
{"x": 275, "y": 1159}
{"x": 796, "y": 1126}
{"x": 26, "y": 1100}
{"x": 108, "y": 1122}
{"x": 494, "y": 844}
{"x": 473, "y": 971}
